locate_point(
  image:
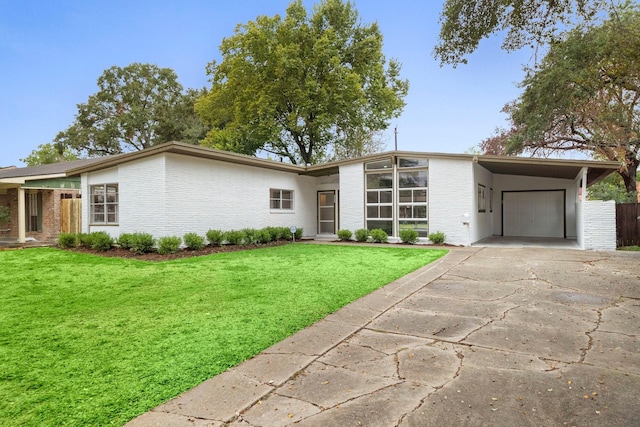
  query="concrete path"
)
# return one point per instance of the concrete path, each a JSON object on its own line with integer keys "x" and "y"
{"x": 482, "y": 337}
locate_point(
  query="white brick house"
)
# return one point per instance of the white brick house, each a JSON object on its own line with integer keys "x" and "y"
{"x": 175, "y": 188}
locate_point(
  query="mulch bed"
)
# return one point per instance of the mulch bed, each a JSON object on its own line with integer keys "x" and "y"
{"x": 182, "y": 253}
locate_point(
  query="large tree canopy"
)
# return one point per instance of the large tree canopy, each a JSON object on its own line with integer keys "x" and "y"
{"x": 136, "y": 107}
{"x": 465, "y": 23}
{"x": 584, "y": 95}
{"x": 49, "y": 153}
{"x": 298, "y": 87}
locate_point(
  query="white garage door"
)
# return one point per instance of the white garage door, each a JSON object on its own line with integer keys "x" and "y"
{"x": 533, "y": 213}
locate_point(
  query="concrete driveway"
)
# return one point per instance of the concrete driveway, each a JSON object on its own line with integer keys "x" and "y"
{"x": 483, "y": 337}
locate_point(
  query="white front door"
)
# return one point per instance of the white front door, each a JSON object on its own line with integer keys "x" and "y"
{"x": 326, "y": 212}
{"x": 533, "y": 213}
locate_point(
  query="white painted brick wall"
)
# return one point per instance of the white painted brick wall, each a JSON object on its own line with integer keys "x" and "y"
{"x": 599, "y": 225}
{"x": 450, "y": 196}
{"x": 352, "y": 196}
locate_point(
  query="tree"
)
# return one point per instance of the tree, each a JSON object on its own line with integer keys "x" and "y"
{"x": 525, "y": 22}
{"x": 585, "y": 95}
{"x": 48, "y": 153}
{"x": 137, "y": 106}
{"x": 612, "y": 188}
{"x": 298, "y": 86}
{"x": 357, "y": 143}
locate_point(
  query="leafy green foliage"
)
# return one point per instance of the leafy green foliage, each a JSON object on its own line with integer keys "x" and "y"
{"x": 67, "y": 240}
{"x": 362, "y": 235}
{"x": 408, "y": 235}
{"x": 141, "y": 243}
{"x": 612, "y": 188}
{"x": 99, "y": 352}
{"x": 234, "y": 237}
{"x": 250, "y": 236}
{"x": 101, "y": 241}
{"x": 585, "y": 96}
{"x": 437, "y": 238}
{"x": 525, "y": 22}
{"x": 5, "y": 215}
{"x": 136, "y": 107}
{"x": 85, "y": 239}
{"x": 193, "y": 241}
{"x": 344, "y": 234}
{"x": 378, "y": 235}
{"x": 300, "y": 86}
{"x": 215, "y": 237}
{"x": 49, "y": 153}
{"x": 125, "y": 240}
{"x": 169, "y": 245}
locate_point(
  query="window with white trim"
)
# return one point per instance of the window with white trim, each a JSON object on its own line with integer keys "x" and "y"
{"x": 379, "y": 195}
{"x": 104, "y": 204}
{"x": 413, "y": 195}
{"x": 280, "y": 199}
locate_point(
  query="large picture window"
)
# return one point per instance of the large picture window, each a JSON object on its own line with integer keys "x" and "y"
{"x": 413, "y": 195}
{"x": 281, "y": 199}
{"x": 379, "y": 195}
{"x": 104, "y": 204}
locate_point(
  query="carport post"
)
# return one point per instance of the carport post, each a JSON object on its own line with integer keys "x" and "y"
{"x": 21, "y": 216}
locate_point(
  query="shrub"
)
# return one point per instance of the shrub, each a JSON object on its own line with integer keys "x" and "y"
{"x": 362, "y": 235}
{"x": 250, "y": 236}
{"x": 67, "y": 240}
{"x": 234, "y": 237}
{"x": 275, "y": 233}
{"x": 85, "y": 239}
{"x": 125, "y": 240}
{"x": 5, "y": 216}
{"x": 215, "y": 237}
{"x": 408, "y": 235}
{"x": 285, "y": 233}
{"x": 141, "y": 243}
{"x": 437, "y": 238}
{"x": 344, "y": 234}
{"x": 101, "y": 241}
{"x": 378, "y": 235}
{"x": 263, "y": 236}
{"x": 298, "y": 233}
{"x": 169, "y": 245}
{"x": 193, "y": 241}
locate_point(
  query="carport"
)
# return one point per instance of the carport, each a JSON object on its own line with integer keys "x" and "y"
{"x": 540, "y": 203}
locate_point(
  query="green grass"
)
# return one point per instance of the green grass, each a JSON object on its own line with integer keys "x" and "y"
{"x": 629, "y": 248}
{"x": 89, "y": 340}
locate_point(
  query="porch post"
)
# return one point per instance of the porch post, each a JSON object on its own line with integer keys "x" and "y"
{"x": 22, "y": 226}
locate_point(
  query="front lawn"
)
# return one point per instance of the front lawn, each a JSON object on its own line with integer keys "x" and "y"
{"x": 89, "y": 340}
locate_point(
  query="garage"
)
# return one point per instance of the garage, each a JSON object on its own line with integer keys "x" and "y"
{"x": 534, "y": 213}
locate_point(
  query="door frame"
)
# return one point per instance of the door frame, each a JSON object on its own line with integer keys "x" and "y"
{"x": 336, "y": 195}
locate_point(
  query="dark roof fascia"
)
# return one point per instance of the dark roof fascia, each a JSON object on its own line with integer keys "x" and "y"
{"x": 51, "y": 169}
{"x": 193, "y": 151}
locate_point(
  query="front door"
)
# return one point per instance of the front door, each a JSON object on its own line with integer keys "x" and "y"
{"x": 326, "y": 212}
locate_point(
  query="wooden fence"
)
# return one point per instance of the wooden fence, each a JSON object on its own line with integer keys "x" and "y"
{"x": 70, "y": 215}
{"x": 628, "y": 224}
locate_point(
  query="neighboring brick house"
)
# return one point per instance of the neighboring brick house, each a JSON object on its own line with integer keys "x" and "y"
{"x": 34, "y": 196}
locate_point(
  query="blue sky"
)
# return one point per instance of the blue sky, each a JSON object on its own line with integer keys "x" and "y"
{"x": 52, "y": 53}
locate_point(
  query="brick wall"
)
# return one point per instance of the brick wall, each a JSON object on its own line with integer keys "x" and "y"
{"x": 598, "y": 225}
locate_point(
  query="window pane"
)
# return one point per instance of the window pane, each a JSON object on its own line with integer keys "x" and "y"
{"x": 112, "y": 218}
{"x": 287, "y": 194}
{"x": 386, "y": 197}
{"x": 382, "y": 164}
{"x": 420, "y": 196}
{"x": 372, "y": 212}
{"x": 326, "y": 214}
{"x": 275, "y": 204}
{"x": 386, "y": 211}
{"x": 419, "y": 211}
{"x": 412, "y": 163}
{"x": 287, "y": 204}
{"x": 405, "y": 211}
{"x": 421, "y": 227}
{"x": 385, "y": 225}
{"x": 412, "y": 179}
{"x": 405, "y": 196}
{"x": 98, "y": 217}
{"x": 275, "y": 194}
{"x": 379, "y": 180}
{"x": 372, "y": 197}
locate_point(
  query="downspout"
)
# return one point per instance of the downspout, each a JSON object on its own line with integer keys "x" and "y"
{"x": 22, "y": 226}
